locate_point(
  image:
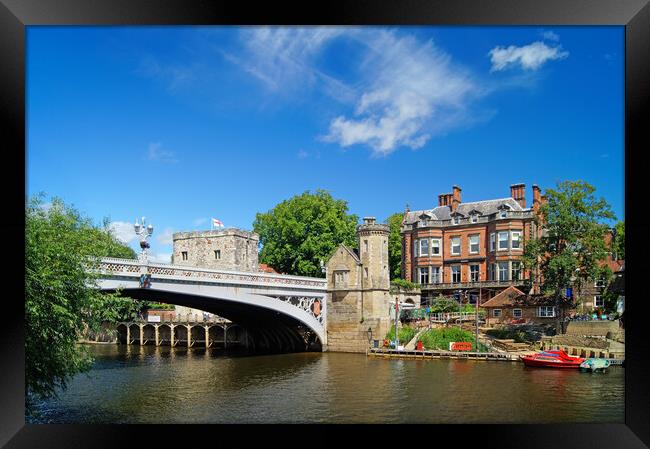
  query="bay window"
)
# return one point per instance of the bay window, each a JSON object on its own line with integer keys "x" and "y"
{"x": 516, "y": 270}
{"x": 424, "y": 247}
{"x": 516, "y": 237}
{"x": 435, "y": 247}
{"x": 503, "y": 240}
{"x": 455, "y": 246}
{"x": 435, "y": 275}
{"x": 503, "y": 271}
{"x": 424, "y": 275}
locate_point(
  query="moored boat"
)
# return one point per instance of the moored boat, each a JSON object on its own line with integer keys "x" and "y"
{"x": 552, "y": 359}
{"x": 595, "y": 365}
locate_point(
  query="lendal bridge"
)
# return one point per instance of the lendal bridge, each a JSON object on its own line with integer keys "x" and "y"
{"x": 278, "y": 312}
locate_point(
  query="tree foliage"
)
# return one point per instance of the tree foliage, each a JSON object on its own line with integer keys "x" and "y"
{"x": 60, "y": 300}
{"x": 443, "y": 304}
{"x": 300, "y": 232}
{"x": 404, "y": 284}
{"x": 395, "y": 245}
{"x": 573, "y": 243}
{"x": 619, "y": 240}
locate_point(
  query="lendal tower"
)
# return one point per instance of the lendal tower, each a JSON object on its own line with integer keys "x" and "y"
{"x": 358, "y": 290}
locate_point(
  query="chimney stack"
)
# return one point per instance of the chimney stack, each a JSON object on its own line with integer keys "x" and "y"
{"x": 537, "y": 197}
{"x": 369, "y": 220}
{"x": 518, "y": 192}
{"x": 455, "y": 200}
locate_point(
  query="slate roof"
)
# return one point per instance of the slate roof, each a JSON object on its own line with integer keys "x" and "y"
{"x": 486, "y": 207}
{"x": 513, "y": 297}
{"x": 505, "y": 298}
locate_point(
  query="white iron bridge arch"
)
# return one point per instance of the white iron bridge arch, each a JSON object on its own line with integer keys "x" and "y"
{"x": 234, "y": 295}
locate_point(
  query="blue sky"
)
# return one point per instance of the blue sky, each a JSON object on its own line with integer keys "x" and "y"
{"x": 181, "y": 124}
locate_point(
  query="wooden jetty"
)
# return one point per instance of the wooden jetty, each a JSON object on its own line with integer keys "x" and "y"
{"x": 437, "y": 354}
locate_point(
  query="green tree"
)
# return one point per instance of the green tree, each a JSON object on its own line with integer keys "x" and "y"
{"x": 60, "y": 298}
{"x": 395, "y": 245}
{"x": 573, "y": 242}
{"x": 300, "y": 232}
{"x": 443, "y": 304}
{"x": 619, "y": 240}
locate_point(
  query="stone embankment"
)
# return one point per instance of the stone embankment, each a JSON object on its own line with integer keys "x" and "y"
{"x": 595, "y": 339}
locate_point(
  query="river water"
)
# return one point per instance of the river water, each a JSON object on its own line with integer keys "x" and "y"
{"x": 133, "y": 384}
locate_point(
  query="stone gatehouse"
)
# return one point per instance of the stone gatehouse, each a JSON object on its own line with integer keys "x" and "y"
{"x": 228, "y": 249}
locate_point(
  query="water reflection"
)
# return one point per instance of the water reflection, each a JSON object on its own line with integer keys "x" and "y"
{"x": 134, "y": 384}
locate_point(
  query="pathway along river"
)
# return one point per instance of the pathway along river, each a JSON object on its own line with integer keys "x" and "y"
{"x": 133, "y": 384}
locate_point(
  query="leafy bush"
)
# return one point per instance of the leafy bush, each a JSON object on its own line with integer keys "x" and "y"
{"x": 506, "y": 334}
{"x": 403, "y": 283}
{"x": 440, "y": 338}
{"x": 443, "y": 304}
{"x": 406, "y": 334}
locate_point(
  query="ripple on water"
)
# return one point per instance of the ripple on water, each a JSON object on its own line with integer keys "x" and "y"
{"x": 165, "y": 385}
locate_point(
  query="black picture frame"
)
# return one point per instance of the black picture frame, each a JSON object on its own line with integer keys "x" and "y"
{"x": 15, "y": 15}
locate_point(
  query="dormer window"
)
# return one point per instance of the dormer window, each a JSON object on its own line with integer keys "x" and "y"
{"x": 474, "y": 218}
{"x": 503, "y": 211}
{"x": 456, "y": 220}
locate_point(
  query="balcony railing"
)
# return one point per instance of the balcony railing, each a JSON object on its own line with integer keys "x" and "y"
{"x": 478, "y": 284}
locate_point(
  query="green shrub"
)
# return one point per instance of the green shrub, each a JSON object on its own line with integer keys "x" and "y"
{"x": 444, "y": 305}
{"x": 403, "y": 283}
{"x": 406, "y": 334}
{"x": 507, "y": 334}
{"x": 440, "y": 338}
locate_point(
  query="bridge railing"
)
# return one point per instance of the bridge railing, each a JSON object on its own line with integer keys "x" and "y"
{"x": 133, "y": 267}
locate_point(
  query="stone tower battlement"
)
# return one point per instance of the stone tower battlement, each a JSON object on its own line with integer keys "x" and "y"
{"x": 227, "y": 249}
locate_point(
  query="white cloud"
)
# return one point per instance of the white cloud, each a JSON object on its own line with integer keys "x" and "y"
{"x": 415, "y": 90}
{"x": 529, "y": 57}
{"x": 284, "y": 58}
{"x": 550, "y": 35}
{"x": 156, "y": 153}
{"x": 402, "y": 90}
{"x": 123, "y": 231}
{"x": 165, "y": 238}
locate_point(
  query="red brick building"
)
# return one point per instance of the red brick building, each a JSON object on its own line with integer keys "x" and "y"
{"x": 465, "y": 249}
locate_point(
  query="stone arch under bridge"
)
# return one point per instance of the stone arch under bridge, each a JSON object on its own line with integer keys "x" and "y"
{"x": 276, "y": 310}
{"x": 266, "y": 329}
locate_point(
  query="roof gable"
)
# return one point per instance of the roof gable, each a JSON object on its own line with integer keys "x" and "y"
{"x": 351, "y": 252}
{"x": 505, "y": 298}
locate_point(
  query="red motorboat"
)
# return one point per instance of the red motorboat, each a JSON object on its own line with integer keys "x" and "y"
{"x": 552, "y": 359}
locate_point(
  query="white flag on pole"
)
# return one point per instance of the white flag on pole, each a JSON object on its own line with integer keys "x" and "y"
{"x": 216, "y": 223}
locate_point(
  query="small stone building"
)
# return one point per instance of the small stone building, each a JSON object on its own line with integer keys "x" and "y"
{"x": 228, "y": 249}
{"x": 514, "y": 306}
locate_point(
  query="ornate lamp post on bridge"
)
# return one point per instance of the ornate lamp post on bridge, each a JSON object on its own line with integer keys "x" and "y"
{"x": 144, "y": 233}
